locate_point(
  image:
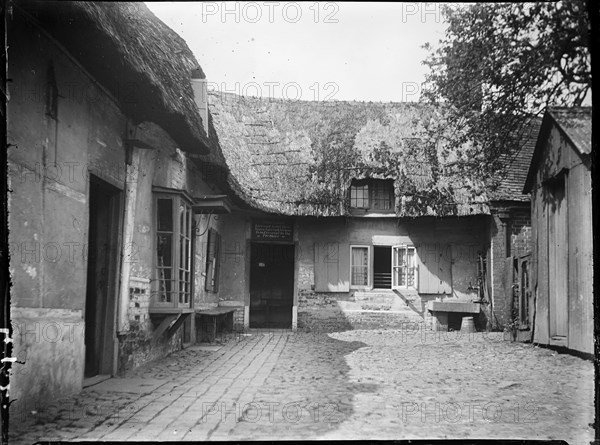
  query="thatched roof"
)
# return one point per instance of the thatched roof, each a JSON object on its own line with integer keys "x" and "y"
{"x": 299, "y": 157}
{"x": 139, "y": 59}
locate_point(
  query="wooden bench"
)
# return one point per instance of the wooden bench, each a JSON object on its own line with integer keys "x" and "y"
{"x": 441, "y": 310}
{"x": 213, "y": 321}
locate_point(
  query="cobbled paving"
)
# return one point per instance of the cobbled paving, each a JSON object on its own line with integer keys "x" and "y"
{"x": 362, "y": 384}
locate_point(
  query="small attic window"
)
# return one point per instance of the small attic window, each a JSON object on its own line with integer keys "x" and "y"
{"x": 372, "y": 195}
{"x": 51, "y": 93}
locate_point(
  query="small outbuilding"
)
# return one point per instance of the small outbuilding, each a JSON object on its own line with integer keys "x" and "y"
{"x": 560, "y": 184}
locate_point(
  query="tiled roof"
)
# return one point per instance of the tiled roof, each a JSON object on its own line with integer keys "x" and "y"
{"x": 510, "y": 187}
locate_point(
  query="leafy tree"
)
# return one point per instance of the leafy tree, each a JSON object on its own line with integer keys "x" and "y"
{"x": 499, "y": 66}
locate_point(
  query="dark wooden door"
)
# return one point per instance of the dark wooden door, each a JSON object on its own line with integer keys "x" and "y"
{"x": 103, "y": 254}
{"x": 271, "y": 285}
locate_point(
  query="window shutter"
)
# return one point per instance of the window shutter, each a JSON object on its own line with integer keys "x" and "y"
{"x": 212, "y": 261}
{"x": 330, "y": 265}
{"x": 434, "y": 274}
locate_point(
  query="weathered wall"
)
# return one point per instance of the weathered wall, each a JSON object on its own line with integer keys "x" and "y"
{"x": 557, "y": 155}
{"x": 163, "y": 166}
{"x": 233, "y": 290}
{"x": 49, "y": 160}
{"x": 447, "y": 251}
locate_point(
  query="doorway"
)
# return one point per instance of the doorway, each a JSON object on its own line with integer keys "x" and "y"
{"x": 271, "y": 285}
{"x": 382, "y": 267}
{"x": 101, "y": 289}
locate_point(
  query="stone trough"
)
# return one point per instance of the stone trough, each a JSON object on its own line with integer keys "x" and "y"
{"x": 442, "y": 309}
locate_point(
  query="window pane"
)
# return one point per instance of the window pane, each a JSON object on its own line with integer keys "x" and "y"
{"x": 164, "y": 285}
{"x": 359, "y": 196}
{"x": 164, "y": 263}
{"x": 360, "y": 266}
{"x": 182, "y": 225}
{"x": 383, "y": 194}
{"x": 164, "y": 249}
{"x": 411, "y": 267}
{"x": 164, "y": 214}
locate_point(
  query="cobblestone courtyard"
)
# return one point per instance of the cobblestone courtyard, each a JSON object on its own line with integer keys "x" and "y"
{"x": 349, "y": 385}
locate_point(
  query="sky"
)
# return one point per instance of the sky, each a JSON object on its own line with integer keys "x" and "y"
{"x": 309, "y": 50}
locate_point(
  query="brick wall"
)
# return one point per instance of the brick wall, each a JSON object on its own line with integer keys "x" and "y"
{"x": 521, "y": 240}
{"x": 136, "y": 347}
{"x": 517, "y": 222}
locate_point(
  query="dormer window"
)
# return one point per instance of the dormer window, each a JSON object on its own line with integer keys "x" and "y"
{"x": 375, "y": 195}
{"x": 359, "y": 195}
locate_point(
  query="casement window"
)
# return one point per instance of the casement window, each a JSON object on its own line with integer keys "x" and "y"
{"x": 173, "y": 251}
{"x": 359, "y": 196}
{"x": 383, "y": 195}
{"x": 404, "y": 267}
{"x": 212, "y": 261}
{"x": 372, "y": 194}
{"x": 360, "y": 266}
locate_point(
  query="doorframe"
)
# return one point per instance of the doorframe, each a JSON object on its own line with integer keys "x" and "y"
{"x": 248, "y": 277}
{"x": 372, "y": 272}
{"x": 110, "y": 338}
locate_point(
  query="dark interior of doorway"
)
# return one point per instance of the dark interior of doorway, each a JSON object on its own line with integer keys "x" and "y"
{"x": 101, "y": 289}
{"x": 271, "y": 285}
{"x": 382, "y": 267}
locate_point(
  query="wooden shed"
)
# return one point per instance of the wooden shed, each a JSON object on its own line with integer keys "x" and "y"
{"x": 559, "y": 181}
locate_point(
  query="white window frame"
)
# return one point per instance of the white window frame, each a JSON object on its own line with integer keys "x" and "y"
{"x": 369, "y": 267}
{"x": 406, "y": 248}
{"x": 180, "y": 288}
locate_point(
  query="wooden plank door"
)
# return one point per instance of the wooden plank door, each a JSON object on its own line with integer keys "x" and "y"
{"x": 558, "y": 264}
{"x": 101, "y": 289}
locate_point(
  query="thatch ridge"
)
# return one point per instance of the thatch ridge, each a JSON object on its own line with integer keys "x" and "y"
{"x": 138, "y": 58}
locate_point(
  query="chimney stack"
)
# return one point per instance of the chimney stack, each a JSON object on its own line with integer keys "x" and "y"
{"x": 200, "y": 90}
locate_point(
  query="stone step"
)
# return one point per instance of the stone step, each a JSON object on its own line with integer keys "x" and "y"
{"x": 394, "y": 305}
{"x": 384, "y": 319}
{"x": 376, "y": 296}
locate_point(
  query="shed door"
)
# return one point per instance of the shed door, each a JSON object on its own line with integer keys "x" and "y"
{"x": 558, "y": 261}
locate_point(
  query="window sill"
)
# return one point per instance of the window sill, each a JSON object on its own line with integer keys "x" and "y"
{"x": 371, "y": 212}
{"x": 170, "y": 310}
